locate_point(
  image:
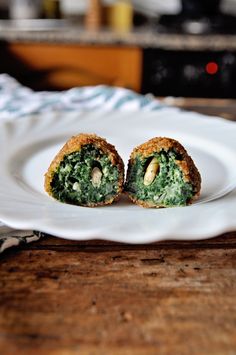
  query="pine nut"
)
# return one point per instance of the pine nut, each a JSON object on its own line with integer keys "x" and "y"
{"x": 151, "y": 172}
{"x": 96, "y": 177}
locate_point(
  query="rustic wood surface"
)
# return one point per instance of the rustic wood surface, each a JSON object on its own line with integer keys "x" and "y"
{"x": 63, "y": 297}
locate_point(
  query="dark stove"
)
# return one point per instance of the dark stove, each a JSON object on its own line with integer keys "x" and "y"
{"x": 198, "y": 17}
{"x": 217, "y": 24}
{"x": 209, "y": 74}
{"x": 195, "y": 72}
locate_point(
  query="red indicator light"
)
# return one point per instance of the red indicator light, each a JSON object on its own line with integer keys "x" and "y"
{"x": 212, "y": 68}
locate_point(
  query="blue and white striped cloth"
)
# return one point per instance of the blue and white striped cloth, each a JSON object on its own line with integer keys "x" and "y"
{"x": 17, "y": 101}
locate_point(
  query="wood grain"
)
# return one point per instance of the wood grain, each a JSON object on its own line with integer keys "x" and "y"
{"x": 224, "y": 108}
{"x": 62, "y": 297}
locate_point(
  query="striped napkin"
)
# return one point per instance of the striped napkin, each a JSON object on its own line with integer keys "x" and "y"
{"x": 17, "y": 101}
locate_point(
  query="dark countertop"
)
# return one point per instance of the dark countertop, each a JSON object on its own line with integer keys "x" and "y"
{"x": 145, "y": 37}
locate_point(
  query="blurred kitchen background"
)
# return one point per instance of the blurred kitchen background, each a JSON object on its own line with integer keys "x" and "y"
{"x": 180, "y": 48}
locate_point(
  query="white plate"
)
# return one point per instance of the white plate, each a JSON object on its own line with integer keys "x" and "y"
{"x": 28, "y": 145}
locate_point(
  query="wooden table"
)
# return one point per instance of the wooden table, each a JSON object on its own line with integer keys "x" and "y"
{"x": 62, "y": 297}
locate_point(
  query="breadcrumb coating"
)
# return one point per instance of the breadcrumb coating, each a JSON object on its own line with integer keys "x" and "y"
{"x": 74, "y": 144}
{"x": 186, "y": 165}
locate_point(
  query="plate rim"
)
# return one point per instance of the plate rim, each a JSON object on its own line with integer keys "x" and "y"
{"x": 8, "y": 219}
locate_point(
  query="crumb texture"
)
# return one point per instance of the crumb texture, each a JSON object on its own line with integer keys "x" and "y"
{"x": 162, "y": 174}
{"x": 87, "y": 171}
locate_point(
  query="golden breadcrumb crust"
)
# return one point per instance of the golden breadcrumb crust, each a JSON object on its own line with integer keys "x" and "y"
{"x": 187, "y": 166}
{"x": 74, "y": 144}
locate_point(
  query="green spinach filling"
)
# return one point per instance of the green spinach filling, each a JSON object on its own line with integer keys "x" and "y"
{"x": 168, "y": 187}
{"x": 72, "y": 181}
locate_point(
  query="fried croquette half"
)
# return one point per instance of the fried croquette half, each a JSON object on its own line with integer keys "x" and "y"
{"x": 87, "y": 171}
{"x": 162, "y": 174}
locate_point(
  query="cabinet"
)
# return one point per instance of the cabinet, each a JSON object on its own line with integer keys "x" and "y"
{"x": 61, "y": 66}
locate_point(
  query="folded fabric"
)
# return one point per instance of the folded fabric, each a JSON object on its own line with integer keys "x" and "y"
{"x": 17, "y": 101}
{"x": 10, "y": 237}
